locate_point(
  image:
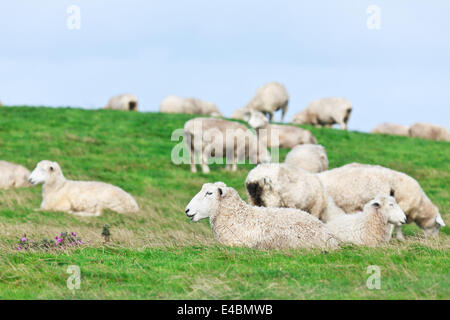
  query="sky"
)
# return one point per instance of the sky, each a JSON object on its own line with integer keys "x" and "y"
{"x": 222, "y": 51}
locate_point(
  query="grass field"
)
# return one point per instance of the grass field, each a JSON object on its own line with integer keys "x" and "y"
{"x": 158, "y": 254}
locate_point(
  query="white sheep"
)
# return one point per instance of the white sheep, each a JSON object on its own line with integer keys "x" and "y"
{"x": 124, "y": 102}
{"x": 370, "y": 227}
{"x": 325, "y": 112}
{"x": 235, "y": 223}
{"x": 211, "y": 137}
{"x": 310, "y": 157}
{"x": 353, "y": 185}
{"x": 392, "y": 129}
{"x": 270, "y": 98}
{"x": 13, "y": 175}
{"x": 282, "y": 185}
{"x": 283, "y": 136}
{"x": 174, "y": 104}
{"x": 83, "y": 198}
{"x": 429, "y": 131}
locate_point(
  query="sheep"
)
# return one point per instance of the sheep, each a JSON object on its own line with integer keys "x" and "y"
{"x": 238, "y": 114}
{"x": 353, "y": 185}
{"x": 82, "y": 198}
{"x": 392, "y": 128}
{"x": 13, "y": 175}
{"x": 237, "y": 224}
{"x": 429, "y": 131}
{"x": 310, "y": 157}
{"x": 325, "y": 112}
{"x": 370, "y": 227}
{"x": 282, "y": 185}
{"x": 268, "y": 99}
{"x": 288, "y": 136}
{"x": 124, "y": 102}
{"x": 212, "y": 137}
{"x": 174, "y": 104}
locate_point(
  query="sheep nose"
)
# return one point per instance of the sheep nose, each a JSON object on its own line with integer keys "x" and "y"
{"x": 187, "y": 210}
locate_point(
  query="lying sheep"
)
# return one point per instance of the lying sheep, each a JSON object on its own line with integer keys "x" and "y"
{"x": 310, "y": 157}
{"x": 174, "y": 104}
{"x": 124, "y": 102}
{"x": 13, "y": 175}
{"x": 392, "y": 129}
{"x": 236, "y": 223}
{"x": 238, "y": 114}
{"x": 325, "y": 112}
{"x": 429, "y": 131}
{"x": 211, "y": 137}
{"x": 370, "y": 227}
{"x": 270, "y": 98}
{"x": 353, "y": 185}
{"x": 282, "y": 185}
{"x": 83, "y": 198}
{"x": 284, "y": 136}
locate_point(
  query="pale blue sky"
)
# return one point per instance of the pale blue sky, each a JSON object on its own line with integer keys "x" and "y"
{"x": 223, "y": 50}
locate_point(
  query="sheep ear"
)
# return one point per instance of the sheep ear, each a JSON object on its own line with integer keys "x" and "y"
{"x": 376, "y": 205}
{"x": 392, "y": 193}
{"x": 440, "y": 221}
{"x": 222, "y": 191}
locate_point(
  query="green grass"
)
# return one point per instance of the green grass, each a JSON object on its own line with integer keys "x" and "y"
{"x": 158, "y": 254}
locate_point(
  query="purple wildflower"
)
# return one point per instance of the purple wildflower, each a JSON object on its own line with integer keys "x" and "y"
{"x": 23, "y": 239}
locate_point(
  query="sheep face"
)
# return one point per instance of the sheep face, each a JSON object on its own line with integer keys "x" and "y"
{"x": 390, "y": 209}
{"x": 256, "y": 119}
{"x": 205, "y": 204}
{"x": 431, "y": 226}
{"x": 44, "y": 172}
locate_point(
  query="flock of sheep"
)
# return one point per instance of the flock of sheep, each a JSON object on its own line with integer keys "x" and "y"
{"x": 295, "y": 204}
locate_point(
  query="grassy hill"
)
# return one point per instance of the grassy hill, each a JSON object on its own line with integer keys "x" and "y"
{"x": 158, "y": 254}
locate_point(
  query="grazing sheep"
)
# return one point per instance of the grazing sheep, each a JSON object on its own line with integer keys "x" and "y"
{"x": 310, "y": 157}
{"x": 353, "y": 185}
{"x": 270, "y": 98}
{"x": 288, "y": 136}
{"x": 325, "y": 112}
{"x": 174, "y": 104}
{"x": 370, "y": 227}
{"x": 211, "y": 137}
{"x": 83, "y": 198}
{"x": 282, "y": 185}
{"x": 125, "y": 102}
{"x": 429, "y": 131}
{"x": 392, "y": 128}
{"x": 238, "y": 114}
{"x": 236, "y": 223}
{"x": 13, "y": 175}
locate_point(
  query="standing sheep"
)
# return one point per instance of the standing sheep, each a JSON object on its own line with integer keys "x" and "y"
{"x": 13, "y": 175}
{"x": 353, "y": 185}
{"x": 124, "y": 102}
{"x": 310, "y": 157}
{"x": 288, "y": 136}
{"x": 236, "y": 223}
{"x": 392, "y": 129}
{"x": 211, "y": 137}
{"x": 282, "y": 185}
{"x": 429, "y": 131}
{"x": 83, "y": 198}
{"x": 270, "y": 98}
{"x": 370, "y": 227}
{"x": 325, "y": 112}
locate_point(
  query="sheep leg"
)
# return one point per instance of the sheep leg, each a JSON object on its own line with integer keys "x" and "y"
{"x": 193, "y": 165}
{"x": 204, "y": 161}
{"x": 399, "y": 233}
{"x": 85, "y": 214}
{"x": 283, "y": 111}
